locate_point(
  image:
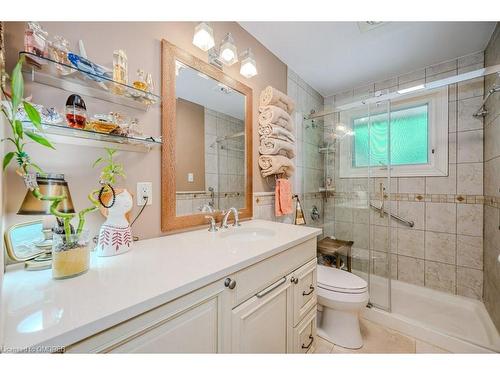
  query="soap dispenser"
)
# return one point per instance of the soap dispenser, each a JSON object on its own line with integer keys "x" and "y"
{"x": 299, "y": 213}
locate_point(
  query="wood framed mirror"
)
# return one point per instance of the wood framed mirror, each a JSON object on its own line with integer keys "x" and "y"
{"x": 207, "y": 142}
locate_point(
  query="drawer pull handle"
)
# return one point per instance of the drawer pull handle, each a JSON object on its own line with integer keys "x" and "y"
{"x": 311, "y": 289}
{"x": 294, "y": 280}
{"x": 228, "y": 283}
{"x": 271, "y": 288}
{"x": 311, "y": 337}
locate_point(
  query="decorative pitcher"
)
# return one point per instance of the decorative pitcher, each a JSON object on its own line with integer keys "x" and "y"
{"x": 115, "y": 236}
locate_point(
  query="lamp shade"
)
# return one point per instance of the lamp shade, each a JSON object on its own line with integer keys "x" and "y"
{"x": 50, "y": 184}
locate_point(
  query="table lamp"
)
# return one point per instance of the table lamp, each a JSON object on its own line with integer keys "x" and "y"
{"x": 50, "y": 184}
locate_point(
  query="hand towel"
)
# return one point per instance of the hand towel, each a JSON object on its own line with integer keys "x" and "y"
{"x": 283, "y": 197}
{"x": 272, "y": 96}
{"x": 276, "y": 131}
{"x": 276, "y": 146}
{"x": 276, "y": 164}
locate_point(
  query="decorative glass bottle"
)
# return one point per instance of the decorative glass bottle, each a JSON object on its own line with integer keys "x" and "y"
{"x": 35, "y": 40}
{"x": 58, "y": 51}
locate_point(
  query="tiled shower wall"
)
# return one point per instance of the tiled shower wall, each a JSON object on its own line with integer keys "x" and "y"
{"x": 492, "y": 187}
{"x": 307, "y": 162}
{"x": 444, "y": 250}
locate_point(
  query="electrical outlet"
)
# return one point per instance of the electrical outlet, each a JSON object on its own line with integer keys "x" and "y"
{"x": 144, "y": 189}
{"x": 190, "y": 177}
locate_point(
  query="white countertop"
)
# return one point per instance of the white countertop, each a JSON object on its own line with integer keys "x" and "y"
{"x": 40, "y": 311}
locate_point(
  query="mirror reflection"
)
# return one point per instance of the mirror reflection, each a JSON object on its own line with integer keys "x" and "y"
{"x": 210, "y": 144}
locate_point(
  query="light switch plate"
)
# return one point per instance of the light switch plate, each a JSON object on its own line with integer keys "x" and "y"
{"x": 190, "y": 177}
{"x": 144, "y": 189}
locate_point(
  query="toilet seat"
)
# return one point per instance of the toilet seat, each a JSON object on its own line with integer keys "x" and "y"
{"x": 336, "y": 280}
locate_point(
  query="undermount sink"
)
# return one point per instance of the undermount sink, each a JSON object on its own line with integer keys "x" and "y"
{"x": 248, "y": 234}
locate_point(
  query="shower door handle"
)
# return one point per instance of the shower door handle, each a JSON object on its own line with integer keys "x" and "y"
{"x": 382, "y": 199}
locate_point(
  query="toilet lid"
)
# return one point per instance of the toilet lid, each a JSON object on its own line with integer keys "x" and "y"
{"x": 337, "y": 280}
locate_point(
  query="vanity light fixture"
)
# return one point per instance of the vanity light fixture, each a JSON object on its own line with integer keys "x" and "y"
{"x": 248, "y": 66}
{"x": 203, "y": 36}
{"x": 228, "y": 51}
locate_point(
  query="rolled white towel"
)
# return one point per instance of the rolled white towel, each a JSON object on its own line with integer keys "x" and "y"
{"x": 276, "y": 164}
{"x": 276, "y": 146}
{"x": 272, "y": 113}
{"x": 272, "y": 96}
{"x": 273, "y": 130}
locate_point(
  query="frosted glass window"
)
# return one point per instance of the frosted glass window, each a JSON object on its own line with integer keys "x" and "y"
{"x": 409, "y": 138}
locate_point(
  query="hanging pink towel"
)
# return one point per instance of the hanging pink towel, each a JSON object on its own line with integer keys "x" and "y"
{"x": 283, "y": 197}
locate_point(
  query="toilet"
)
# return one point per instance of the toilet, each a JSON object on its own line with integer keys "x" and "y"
{"x": 341, "y": 295}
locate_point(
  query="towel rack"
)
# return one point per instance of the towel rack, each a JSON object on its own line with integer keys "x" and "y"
{"x": 276, "y": 177}
{"x": 410, "y": 223}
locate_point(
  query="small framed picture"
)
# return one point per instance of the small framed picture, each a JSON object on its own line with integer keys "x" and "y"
{"x": 25, "y": 241}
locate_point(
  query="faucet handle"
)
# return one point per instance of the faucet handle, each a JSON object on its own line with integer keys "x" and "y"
{"x": 236, "y": 217}
{"x": 225, "y": 216}
{"x": 211, "y": 220}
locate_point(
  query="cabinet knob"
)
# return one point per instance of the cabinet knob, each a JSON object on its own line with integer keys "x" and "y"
{"x": 294, "y": 280}
{"x": 228, "y": 283}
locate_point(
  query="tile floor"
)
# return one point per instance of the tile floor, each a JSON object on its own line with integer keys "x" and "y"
{"x": 381, "y": 340}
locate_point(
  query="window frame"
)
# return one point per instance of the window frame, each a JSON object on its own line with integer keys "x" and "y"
{"x": 437, "y": 136}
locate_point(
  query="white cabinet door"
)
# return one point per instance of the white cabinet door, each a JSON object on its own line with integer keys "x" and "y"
{"x": 199, "y": 322}
{"x": 193, "y": 331}
{"x": 260, "y": 324}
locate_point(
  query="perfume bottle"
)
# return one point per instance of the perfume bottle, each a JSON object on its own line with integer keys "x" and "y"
{"x": 76, "y": 112}
{"x": 35, "y": 40}
{"x": 140, "y": 84}
{"x": 58, "y": 51}
{"x": 120, "y": 70}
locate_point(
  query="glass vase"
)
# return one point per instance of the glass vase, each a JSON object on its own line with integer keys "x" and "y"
{"x": 70, "y": 255}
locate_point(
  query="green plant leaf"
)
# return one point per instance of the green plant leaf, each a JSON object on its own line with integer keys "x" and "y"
{"x": 17, "y": 85}
{"x": 97, "y": 162}
{"x": 7, "y": 158}
{"x": 33, "y": 115}
{"x": 18, "y": 126}
{"x": 36, "y": 167}
{"x": 39, "y": 139}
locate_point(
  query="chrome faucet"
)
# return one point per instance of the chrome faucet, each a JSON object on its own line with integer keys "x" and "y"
{"x": 207, "y": 207}
{"x": 212, "y": 227}
{"x": 226, "y": 217}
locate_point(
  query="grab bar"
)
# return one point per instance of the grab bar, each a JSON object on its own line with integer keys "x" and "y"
{"x": 411, "y": 224}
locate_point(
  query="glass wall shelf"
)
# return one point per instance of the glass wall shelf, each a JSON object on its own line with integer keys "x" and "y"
{"x": 69, "y": 78}
{"x": 65, "y": 135}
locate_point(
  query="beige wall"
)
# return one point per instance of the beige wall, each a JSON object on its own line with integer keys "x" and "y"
{"x": 491, "y": 187}
{"x": 141, "y": 41}
{"x": 189, "y": 146}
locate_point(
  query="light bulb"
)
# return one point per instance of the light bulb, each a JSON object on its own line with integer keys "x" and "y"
{"x": 248, "y": 67}
{"x": 228, "y": 53}
{"x": 203, "y": 36}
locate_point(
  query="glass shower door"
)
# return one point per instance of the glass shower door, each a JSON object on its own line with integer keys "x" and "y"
{"x": 383, "y": 231}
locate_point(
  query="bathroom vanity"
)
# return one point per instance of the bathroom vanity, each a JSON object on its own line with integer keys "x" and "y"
{"x": 250, "y": 289}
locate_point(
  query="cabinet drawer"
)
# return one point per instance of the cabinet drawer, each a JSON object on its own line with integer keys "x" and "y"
{"x": 304, "y": 290}
{"x": 257, "y": 277}
{"x": 304, "y": 335}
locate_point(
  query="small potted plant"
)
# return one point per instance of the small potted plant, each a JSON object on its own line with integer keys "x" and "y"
{"x": 70, "y": 251}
